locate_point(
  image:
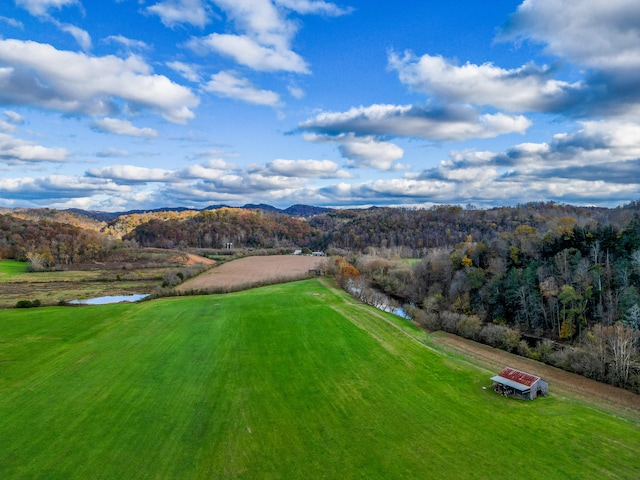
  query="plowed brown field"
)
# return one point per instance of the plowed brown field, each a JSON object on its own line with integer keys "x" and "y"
{"x": 252, "y": 270}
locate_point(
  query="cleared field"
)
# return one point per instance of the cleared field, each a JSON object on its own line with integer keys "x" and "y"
{"x": 250, "y": 270}
{"x": 288, "y": 381}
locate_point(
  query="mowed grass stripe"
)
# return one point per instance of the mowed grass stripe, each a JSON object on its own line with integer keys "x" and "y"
{"x": 288, "y": 381}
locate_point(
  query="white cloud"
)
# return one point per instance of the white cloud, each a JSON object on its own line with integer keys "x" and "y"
{"x": 526, "y": 88}
{"x": 363, "y": 151}
{"x": 174, "y": 12}
{"x": 12, "y": 21}
{"x": 603, "y": 34}
{"x": 56, "y": 187}
{"x": 304, "y": 168}
{"x": 370, "y": 152}
{"x": 187, "y": 71}
{"x": 81, "y": 36}
{"x": 128, "y": 43}
{"x": 131, "y": 174}
{"x": 250, "y": 183}
{"x": 14, "y": 150}
{"x": 454, "y": 122}
{"x": 261, "y": 20}
{"x": 87, "y": 84}
{"x": 315, "y": 7}
{"x": 212, "y": 169}
{"x": 42, "y": 7}
{"x": 249, "y": 52}
{"x": 296, "y": 92}
{"x": 112, "y": 152}
{"x": 263, "y": 34}
{"x": 123, "y": 127}
{"x": 600, "y": 160}
{"x": 229, "y": 84}
{"x": 14, "y": 117}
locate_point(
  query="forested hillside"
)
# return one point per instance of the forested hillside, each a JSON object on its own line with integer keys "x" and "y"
{"x": 47, "y": 243}
{"x": 215, "y": 228}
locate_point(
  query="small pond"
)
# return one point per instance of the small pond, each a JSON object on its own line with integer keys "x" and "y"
{"x": 109, "y": 299}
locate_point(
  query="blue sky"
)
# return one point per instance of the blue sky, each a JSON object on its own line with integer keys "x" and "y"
{"x": 123, "y": 104}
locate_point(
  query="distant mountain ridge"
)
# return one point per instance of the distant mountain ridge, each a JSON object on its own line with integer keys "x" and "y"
{"x": 297, "y": 210}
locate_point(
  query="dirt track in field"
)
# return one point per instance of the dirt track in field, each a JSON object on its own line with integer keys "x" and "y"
{"x": 252, "y": 270}
{"x": 560, "y": 381}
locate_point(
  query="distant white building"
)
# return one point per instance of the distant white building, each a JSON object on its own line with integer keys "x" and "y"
{"x": 297, "y": 252}
{"x": 318, "y": 254}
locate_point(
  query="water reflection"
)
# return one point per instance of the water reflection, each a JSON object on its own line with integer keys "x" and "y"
{"x": 109, "y": 299}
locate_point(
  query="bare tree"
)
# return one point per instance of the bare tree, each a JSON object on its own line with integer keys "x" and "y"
{"x": 622, "y": 343}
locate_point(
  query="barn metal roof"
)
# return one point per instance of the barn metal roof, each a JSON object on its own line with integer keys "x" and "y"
{"x": 515, "y": 378}
{"x": 510, "y": 383}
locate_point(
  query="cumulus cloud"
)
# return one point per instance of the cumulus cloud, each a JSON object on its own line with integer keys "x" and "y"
{"x": 229, "y": 84}
{"x": 263, "y": 33}
{"x": 209, "y": 170}
{"x": 452, "y": 122}
{"x": 249, "y": 52}
{"x": 123, "y": 127}
{"x": 42, "y": 7}
{"x": 599, "y": 37}
{"x": 220, "y": 181}
{"x": 603, "y": 34}
{"x": 175, "y": 12}
{"x": 128, "y": 174}
{"x": 16, "y": 151}
{"x": 363, "y": 152}
{"x": 30, "y": 74}
{"x": 56, "y": 187}
{"x": 248, "y": 183}
{"x": 370, "y": 152}
{"x": 304, "y": 168}
{"x": 528, "y": 88}
{"x": 599, "y": 160}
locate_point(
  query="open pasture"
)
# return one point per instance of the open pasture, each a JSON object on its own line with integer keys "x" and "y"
{"x": 288, "y": 381}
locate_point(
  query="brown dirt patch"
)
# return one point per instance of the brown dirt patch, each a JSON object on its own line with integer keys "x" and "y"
{"x": 561, "y": 382}
{"x": 252, "y": 270}
{"x": 192, "y": 259}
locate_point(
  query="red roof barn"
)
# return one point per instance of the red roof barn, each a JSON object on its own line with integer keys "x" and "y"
{"x": 519, "y": 384}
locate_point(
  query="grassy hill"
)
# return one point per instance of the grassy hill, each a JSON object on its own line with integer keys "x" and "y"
{"x": 288, "y": 381}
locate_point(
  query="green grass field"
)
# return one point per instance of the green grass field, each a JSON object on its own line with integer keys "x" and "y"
{"x": 289, "y": 381}
{"x": 11, "y": 268}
